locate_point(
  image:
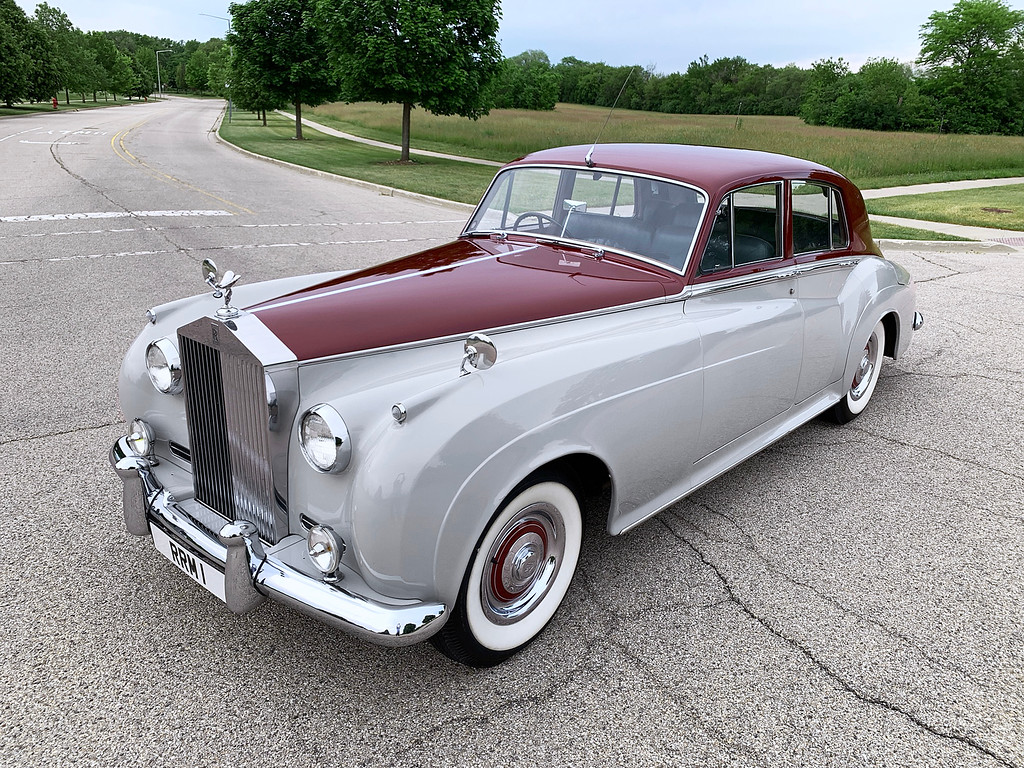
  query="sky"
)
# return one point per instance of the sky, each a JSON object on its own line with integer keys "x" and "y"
{"x": 663, "y": 34}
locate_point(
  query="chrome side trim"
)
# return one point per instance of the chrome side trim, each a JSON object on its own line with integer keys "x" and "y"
{"x": 461, "y": 337}
{"x": 745, "y": 281}
{"x": 251, "y": 574}
{"x": 826, "y": 264}
{"x": 782, "y": 273}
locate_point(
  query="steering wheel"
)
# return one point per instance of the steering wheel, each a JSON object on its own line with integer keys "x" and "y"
{"x": 540, "y": 217}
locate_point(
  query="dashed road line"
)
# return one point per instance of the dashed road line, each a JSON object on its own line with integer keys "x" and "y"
{"x": 20, "y": 133}
{"x": 243, "y": 247}
{"x": 110, "y": 215}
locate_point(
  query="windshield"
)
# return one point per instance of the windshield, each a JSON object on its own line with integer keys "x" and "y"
{"x": 648, "y": 217}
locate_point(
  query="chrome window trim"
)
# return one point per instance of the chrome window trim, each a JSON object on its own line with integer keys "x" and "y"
{"x": 835, "y": 194}
{"x": 632, "y": 174}
{"x": 781, "y": 191}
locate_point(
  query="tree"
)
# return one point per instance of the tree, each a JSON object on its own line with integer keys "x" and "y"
{"x": 284, "y": 52}
{"x": 14, "y": 62}
{"x": 197, "y": 71}
{"x": 247, "y": 91}
{"x": 829, "y": 79}
{"x": 526, "y": 81}
{"x": 973, "y": 60}
{"x": 68, "y": 52}
{"x": 436, "y": 54}
{"x": 45, "y": 75}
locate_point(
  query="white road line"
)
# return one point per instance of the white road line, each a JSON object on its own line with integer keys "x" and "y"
{"x": 337, "y": 224}
{"x": 109, "y": 215}
{"x": 19, "y": 133}
{"x": 251, "y": 247}
{"x": 353, "y": 223}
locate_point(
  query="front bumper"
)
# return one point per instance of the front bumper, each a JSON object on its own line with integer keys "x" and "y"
{"x": 251, "y": 574}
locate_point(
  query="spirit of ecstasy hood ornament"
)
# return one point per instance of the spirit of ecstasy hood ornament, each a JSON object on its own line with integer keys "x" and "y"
{"x": 221, "y": 287}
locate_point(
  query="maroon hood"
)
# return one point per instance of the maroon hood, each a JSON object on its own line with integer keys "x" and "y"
{"x": 466, "y": 286}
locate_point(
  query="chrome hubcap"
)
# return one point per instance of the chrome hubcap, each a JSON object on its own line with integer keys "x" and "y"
{"x": 862, "y": 378}
{"x": 522, "y": 563}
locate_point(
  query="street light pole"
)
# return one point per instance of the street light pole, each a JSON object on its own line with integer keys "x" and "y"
{"x": 224, "y": 18}
{"x": 159, "y": 84}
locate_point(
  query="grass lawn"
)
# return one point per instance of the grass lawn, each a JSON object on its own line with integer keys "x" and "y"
{"x": 883, "y": 231}
{"x": 447, "y": 179}
{"x": 998, "y": 207}
{"x": 47, "y": 107}
{"x": 515, "y": 130}
{"x": 870, "y": 158}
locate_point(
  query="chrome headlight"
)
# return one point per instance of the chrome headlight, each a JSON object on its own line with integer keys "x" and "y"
{"x": 164, "y": 366}
{"x": 140, "y": 438}
{"x": 324, "y": 439}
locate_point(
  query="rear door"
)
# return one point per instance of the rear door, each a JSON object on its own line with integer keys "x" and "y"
{"x": 749, "y": 316}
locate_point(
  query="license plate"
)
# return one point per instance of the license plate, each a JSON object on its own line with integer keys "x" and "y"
{"x": 201, "y": 572}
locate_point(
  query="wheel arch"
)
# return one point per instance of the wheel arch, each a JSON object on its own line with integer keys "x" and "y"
{"x": 891, "y": 323}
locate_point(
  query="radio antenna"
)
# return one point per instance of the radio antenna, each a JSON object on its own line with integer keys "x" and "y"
{"x": 589, "y": 159}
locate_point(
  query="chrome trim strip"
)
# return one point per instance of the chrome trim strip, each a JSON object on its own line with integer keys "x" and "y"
{"x": 839, "y": 262}
{"x": 258, "y": 339}
{"x": 461, "y": 337}
{"x": 744, "y": 281}
{"x": 382, "y": 281}
{"x": 251, "y": 575}
{"x": 782, "y": 273}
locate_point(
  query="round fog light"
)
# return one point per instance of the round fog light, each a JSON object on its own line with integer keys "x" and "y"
{"x": 140, "y": 438}
{"x": 325, "y": 549}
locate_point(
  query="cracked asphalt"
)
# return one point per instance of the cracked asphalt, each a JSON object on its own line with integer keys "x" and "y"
{"x": 850, "y": 597}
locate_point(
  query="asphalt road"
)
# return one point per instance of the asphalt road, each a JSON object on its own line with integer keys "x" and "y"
{"x": 851, "y": 596}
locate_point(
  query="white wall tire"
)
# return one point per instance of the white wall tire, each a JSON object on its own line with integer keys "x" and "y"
{"x": 865, "y": 377}
{"x": 518, "y": 577}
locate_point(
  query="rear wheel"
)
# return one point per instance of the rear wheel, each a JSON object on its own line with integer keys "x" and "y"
{"x": 865, "y": 377}
{"x": 519, "y": 574}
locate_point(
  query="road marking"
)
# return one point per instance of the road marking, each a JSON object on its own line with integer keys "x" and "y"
{"x": 352, "y": 224}
{"x": 19, "y": 133}
{"x": 110, "y": 215}
{"x": 117, "y": 144}
{"x": 256, "y": 246}
{"x": 49, "y": 143}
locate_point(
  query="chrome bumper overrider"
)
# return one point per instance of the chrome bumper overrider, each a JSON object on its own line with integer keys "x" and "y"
{"x": 251, "y": 574}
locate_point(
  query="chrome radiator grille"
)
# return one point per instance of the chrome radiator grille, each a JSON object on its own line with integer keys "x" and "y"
{"x": 226, "y": 410}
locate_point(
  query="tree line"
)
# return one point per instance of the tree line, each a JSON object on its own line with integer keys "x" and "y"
{"x": 969, "y": 78}
{"x": 44, "y": 56}
{"x": 442, "y": 56}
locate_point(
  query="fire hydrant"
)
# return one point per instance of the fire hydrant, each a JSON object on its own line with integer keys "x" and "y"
{"x": 54, "y": 102}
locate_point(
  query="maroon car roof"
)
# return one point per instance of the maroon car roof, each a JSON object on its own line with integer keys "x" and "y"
{"x": 711, "y": 168}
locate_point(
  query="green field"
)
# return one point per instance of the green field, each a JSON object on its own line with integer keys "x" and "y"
{"x": 997, "y": 207}
{"x": 447, "y": 179}
{"x": 871, "y": 159}
{"x": 506, "y": 134}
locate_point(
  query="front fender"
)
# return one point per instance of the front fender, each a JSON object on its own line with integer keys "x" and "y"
{"x": 426, "y": 489}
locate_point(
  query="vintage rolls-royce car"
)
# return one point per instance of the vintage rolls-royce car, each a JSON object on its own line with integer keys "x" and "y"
{"x": 407, "y": 451}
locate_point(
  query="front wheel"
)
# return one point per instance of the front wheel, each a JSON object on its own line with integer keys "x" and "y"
{"x": 864, "y": 379}
{"x": 519, "y": 574}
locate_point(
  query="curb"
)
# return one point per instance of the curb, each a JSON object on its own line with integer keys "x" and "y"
{"x": 384, "y": 191}
{"x": 947, "y": 246}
